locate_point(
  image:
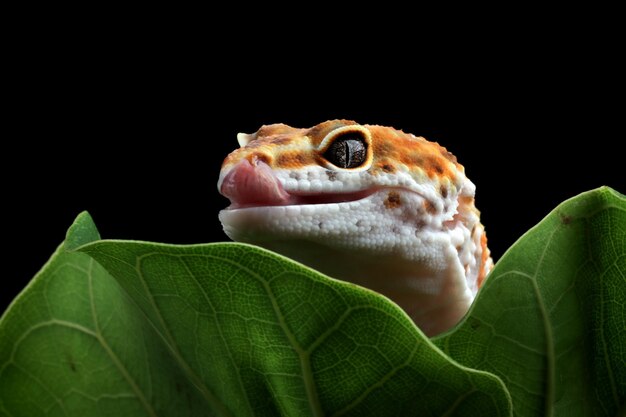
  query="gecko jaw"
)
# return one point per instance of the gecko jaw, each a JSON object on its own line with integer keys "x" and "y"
{"x": 307, "y": 199}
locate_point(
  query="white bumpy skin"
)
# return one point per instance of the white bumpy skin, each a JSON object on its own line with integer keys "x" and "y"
{"x": 366, "y": 204}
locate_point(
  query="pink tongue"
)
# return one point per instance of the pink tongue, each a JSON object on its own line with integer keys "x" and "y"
{"x": 253, "y": 185}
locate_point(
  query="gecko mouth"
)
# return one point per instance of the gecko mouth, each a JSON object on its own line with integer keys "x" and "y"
{"x": 248, "y": 185}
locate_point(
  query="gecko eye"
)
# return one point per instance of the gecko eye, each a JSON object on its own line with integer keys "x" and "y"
{"x": 347, "y": 151}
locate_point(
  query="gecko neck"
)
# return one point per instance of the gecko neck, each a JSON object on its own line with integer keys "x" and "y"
{"x": 434, "y": 299}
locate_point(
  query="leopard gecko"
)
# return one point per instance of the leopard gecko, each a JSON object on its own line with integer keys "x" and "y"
{"x": 367, "y": 204}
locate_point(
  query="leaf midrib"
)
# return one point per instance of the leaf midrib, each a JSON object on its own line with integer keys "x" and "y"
{"x": 116, "y": 361}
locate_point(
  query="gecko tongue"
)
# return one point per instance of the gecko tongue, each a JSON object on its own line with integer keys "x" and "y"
{"x": 254, "y": 185}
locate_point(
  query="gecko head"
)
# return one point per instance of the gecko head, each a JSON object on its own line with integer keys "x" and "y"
{"x": 336, "y": 158}
{"x": 337, "y": 179}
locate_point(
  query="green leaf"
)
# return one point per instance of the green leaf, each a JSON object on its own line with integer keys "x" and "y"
{"x": 551, "y": 318}
{"x": 74, "y": 344}
{"x": 218, "y": 329}
{"x": 234, "y": 330}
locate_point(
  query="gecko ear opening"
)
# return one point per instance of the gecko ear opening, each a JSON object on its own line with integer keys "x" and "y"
{"x": 348, "y": 147}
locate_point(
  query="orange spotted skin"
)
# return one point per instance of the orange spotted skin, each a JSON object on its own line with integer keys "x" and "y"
{"x": 394, "y": 147}
{"x": 285, "y": 147}
{"x": 367, "y": 204}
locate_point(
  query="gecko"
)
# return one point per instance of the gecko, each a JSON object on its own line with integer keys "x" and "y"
{"x": 367, "y": 204}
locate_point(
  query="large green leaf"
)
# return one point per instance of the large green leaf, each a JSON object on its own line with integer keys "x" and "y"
{"x": 551, "y": 318}
{"x": 218, "y": 329}
{"x": 233, "y": 330}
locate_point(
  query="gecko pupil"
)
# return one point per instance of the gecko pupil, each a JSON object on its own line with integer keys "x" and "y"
{"x": 347, "y": 151}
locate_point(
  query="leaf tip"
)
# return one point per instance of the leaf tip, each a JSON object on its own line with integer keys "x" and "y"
{"x": 81, "y": 232}
{"x": 605, "y": 189}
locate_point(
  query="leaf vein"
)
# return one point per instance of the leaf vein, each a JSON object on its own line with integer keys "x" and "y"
{"x": 219, "y": 329}
{"x": 209, "y": 396}
{"x": 303, "y": 356}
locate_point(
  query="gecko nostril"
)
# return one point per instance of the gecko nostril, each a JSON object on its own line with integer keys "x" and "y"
{"x": 256, "y": 157}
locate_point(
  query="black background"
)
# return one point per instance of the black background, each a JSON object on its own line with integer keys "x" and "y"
{"x": 134, "y": 130}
